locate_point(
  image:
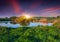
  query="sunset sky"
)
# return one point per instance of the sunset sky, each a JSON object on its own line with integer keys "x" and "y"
{"x": 44, "y": 8}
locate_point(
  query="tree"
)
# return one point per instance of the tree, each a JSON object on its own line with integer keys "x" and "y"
{"x": 58, "y": 16}
{"x": 13, "y": 18}
{"x": 22, "y": 21}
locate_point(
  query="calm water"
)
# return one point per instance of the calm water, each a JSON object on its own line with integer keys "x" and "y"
{"x": 9, "y": 24}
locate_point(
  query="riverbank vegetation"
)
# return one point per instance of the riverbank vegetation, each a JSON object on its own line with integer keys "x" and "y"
{"x": 8, "y": 19}
{"x": 30, "y": 34}
{"x": 38, "y": 18}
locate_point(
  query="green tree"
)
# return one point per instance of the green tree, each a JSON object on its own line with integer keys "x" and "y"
{"x": 13, "y": 18}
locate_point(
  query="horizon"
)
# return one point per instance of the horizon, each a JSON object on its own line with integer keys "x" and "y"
{"x": 22, "y": 15}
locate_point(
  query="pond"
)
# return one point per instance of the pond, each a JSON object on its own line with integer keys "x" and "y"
{"x": 9, "y": 24}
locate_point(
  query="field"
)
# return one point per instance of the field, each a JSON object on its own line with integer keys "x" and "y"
{"x": 30, "y": 34}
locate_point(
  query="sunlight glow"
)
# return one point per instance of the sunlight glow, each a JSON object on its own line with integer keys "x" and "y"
{"x": 27, "y": 16}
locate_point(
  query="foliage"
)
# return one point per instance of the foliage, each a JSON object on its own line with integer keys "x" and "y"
{"x": 22, "y": 21}
{"x": 8, "y": 19}
{"x": 13, "y": 18}
{"x": 57, "y": 24}
{"x": 3, "y": 35}
{"x": 58, "y": 17}
{"x": 30, "y": 34}
{"x": 4, "y": 19}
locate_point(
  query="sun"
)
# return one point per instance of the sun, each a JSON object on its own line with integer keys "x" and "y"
{"x": 27, "y": 16}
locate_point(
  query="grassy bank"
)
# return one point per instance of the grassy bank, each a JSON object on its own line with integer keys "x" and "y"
{"x": 30, "y": 34}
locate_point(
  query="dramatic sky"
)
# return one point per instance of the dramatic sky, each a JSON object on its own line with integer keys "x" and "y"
{"x": 44, "y": 8}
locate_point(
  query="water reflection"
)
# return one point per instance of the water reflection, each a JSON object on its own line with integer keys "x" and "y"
{"x": 9, "y": 24}
{"x": 14, "y": 25}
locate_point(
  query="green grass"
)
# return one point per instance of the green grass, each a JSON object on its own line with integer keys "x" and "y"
{"x": 30, "y": 34}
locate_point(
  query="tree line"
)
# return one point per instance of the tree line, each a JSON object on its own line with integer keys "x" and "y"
{"x": 14, "y": 17}
{"x": 8, "y": 19}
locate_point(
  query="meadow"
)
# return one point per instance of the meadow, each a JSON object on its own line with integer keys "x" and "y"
{"x": 30, "y": 34}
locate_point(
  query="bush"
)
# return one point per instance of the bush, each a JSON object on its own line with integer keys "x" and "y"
{"x": 30, "y": 34}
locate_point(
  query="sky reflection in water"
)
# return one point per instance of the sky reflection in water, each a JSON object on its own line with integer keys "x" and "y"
{"x": 8, "y": 24}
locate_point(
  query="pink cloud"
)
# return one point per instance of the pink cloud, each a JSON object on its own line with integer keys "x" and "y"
{"x": 51, "y": 9}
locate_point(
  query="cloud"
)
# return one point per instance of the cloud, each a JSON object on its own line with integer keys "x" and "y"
{"x": 51, "y": 9}
{"x": 48, "y": 12}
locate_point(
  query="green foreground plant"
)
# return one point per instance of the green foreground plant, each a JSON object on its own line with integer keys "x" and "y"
{"x": 30, "y": 34}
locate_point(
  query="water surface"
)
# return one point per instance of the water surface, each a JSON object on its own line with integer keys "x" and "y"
{"x": 9, "y": 24}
